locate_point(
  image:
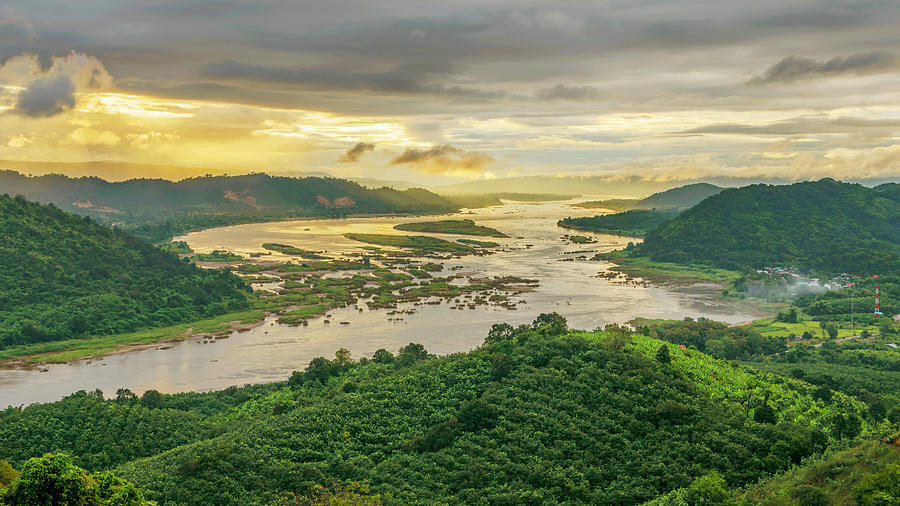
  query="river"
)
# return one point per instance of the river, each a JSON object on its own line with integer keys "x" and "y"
{"x": 271, "y": 351}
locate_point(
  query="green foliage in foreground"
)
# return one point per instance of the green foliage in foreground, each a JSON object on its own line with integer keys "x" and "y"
{"x": 715, "y": 338}
{"x": 463, "y": 227}
{"x": 632, "y": 223}
{"x": 867, "y": 371}
{"x": 63, "y": 276}
{"x": 866, "y": 475}
{"x": 422, "y": 243}
{"x": 54, "y": 480}
{"x": 539, "y": 414}
{"x": 823, "y": 226}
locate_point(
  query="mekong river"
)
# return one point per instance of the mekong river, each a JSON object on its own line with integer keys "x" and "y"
{"x": 271, "y": 351}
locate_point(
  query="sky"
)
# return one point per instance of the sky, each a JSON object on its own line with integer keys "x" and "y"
{"x": 438, "y": 92}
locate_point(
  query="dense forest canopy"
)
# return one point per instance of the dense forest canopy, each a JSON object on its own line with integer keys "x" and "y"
{"x": 824, "y": 226}
{"x": 64, "y": 276}
{"x": 158, "y": 208}
{"x": 539, "y": 414}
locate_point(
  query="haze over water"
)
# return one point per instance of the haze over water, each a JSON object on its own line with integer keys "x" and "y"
{"x": 271, "y": 351}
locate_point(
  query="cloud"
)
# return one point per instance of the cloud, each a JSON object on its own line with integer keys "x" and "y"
{"x": 796, "y": 68}
{"x": 91, "y": 138}
{"x": 353, "y": 154}
{"x": 9, "y": 21}
{"x": 397, "y": 81}
{"x": 447, "y": 160}
{"x": 566, "y": 92}
{"x": 52, "y": 91}
{"x": 806, "y": 125}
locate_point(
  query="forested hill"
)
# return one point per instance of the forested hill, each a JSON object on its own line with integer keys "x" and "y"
{"x": 64, "y": 276}
{"x": 824, "y": 225}
{"x": 155, "y": 208}
{"x": 675, "y": 199}
{"x": 681, "y": 197}
{"x": 538, "y": 415}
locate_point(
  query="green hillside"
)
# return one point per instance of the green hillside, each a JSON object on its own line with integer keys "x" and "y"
{"x": 682, "y": 197}
{"x": 64, "y": 276}
{"x": 632, "y": 223}
{"x": 865, "y": 475}
{"x": 157, "y": 208}
{"x": 537, "y": 415}
{"x": 824, "y": 225}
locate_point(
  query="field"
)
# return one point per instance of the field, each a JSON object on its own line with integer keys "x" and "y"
{"x": 462, "y": 227}
{"x": 771, "y": 328}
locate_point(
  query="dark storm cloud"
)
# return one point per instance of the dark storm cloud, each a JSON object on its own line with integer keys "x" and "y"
{"x": 393, "y": 82}
{"x": 353, "y": 154}
{"x": 566, "y": 92}
{"x": 46, "y": 97}
{"x": 444, "y": 159}
{"x": 796, "y": 68}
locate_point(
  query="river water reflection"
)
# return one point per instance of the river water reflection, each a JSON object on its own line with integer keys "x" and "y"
{"x": 271, "y": 351}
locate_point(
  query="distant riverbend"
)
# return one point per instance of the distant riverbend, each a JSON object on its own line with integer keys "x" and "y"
{"x": 587, "y": 292}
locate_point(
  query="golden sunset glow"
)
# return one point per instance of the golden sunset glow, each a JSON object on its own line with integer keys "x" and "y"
{"x": 575, "y": 106}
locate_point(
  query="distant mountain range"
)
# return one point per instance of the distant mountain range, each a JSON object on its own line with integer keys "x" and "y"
{"x": 679, "y": 198}
{"x": 571, "y": 185}
{"x": 156, "y": 208}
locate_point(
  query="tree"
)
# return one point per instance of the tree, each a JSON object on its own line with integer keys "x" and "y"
{"x": 54, "y": 480}
{"x": 662, "y": 355}
{"x": 152, "y": 399}
{"x": 477, "y": 414}
{"x": 500, "y": 332}
{"x": 411, "y": 353}
{"x": 550, "y": 324}
{"x": 880, "y": 488}
{"x": 811, "y": 495}
{"x": 709, "y": 490}
{"x": 832, "y": 330}
{"x": 319, "y": 369}
{"x": 7, "y": 474}
{"x": 501, "y": 365}
{"x": 885, "y": 326}
{"x": 342, "y": 358}
{"x": 765, "y": 414}
{"x": 125, "y": 395}
{"x": 382, "y": 356}
{"x": 617, "y": 335}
